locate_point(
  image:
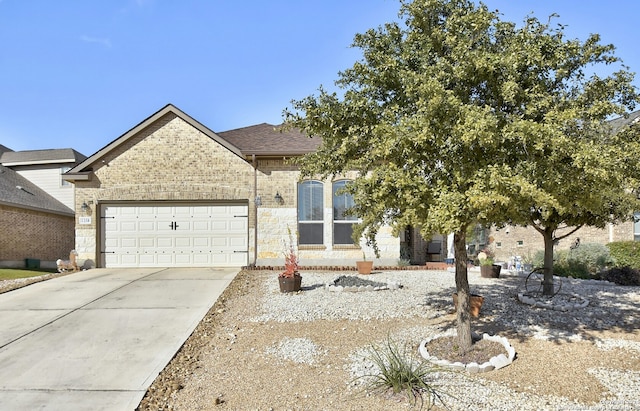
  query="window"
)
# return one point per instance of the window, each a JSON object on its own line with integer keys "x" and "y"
{"x": 342, "y": 223}
{"x": 63, "y": 182}
{"x": 310, "y": 213}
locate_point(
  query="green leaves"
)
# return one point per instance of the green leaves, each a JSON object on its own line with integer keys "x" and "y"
{"x": 456, "y": 117}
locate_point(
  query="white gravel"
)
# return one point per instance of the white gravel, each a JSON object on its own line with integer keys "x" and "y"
{"x": 422, "y": 295}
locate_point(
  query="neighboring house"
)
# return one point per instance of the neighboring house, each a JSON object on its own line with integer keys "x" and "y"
{"x": 34, "y": 225}
{"x": 171, "y": 192}
{"x": 45, "y": 168}
{"x": 526, "y": 241}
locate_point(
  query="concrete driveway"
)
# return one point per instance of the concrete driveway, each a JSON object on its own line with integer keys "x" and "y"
{"x": 97, "y": 339}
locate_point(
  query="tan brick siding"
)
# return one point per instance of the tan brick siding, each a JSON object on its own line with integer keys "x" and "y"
{"x": 169, "y": 160}
{"x": 34, "y": 234}
{"x": 506, "y": 240}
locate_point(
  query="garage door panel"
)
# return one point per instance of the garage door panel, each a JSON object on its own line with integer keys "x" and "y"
{"x": 175, "y": 235}
{"x": 182, "y": 242}
{"x": 200, "y": 242}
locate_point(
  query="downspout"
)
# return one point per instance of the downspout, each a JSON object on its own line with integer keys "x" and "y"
{"x": 255, "y": 212}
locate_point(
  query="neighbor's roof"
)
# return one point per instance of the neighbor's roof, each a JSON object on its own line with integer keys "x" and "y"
{"x": 269, "y": 140}
{"x": 3, "y": 149}
{"x": 30, "y": 157}
{"x": 620, "y": 122}
{"x": 17, "y": 191}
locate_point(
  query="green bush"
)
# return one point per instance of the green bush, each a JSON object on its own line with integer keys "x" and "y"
{"x": 585, "y": 261}
{"x": 625, "y": 254}
{"x": 593, "y": 257}
{"x": 622, "y": 276}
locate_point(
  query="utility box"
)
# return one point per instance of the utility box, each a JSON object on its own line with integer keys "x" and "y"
{"x": 31, "y": 263}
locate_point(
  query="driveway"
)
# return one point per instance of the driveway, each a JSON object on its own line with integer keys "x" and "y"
{"x": 97, "y": 339}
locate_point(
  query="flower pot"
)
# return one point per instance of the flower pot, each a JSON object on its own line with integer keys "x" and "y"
{"x": 490, "y": 271}
{"x": 364, "y": 267}
{"x": 290, "y": 284}
{"x": 475, "y": 303}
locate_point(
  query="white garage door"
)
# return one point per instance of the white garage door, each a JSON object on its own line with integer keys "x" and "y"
{"x": 175, "y": 235}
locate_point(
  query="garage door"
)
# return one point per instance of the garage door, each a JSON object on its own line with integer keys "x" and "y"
{"x": 174, "y": 236}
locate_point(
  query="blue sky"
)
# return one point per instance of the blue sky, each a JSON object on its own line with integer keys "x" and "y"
{"x": 79, "y": 74}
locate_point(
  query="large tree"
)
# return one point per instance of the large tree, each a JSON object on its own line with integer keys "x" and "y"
{"x": 440, "y": 113}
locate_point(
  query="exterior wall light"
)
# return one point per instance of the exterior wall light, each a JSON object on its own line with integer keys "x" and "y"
{"x": 85, "y": 206}
{"x": 279, "y": 198}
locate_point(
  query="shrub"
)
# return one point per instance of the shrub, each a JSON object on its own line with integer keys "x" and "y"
{"x": 625, "y": 254}
{"x": 593, "y": 257}
{"x": 585, "y": 261}
{"x": 572, "y": 269}
{"x": 396, "y": 368}
{"x": 622, "y": 276}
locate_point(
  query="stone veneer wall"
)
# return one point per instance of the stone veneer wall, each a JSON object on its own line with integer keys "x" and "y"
{"x": 34, "y": 234}
{"x": 168, "y": 161}
{"x": 277, "y": 176}
{"x": 506, "y": 244}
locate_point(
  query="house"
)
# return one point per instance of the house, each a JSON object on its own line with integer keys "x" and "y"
{"x": 45, "y": 168}
{"x": 36, "y": 226}
{"x": 525, "y": 241}
{"x": 172, "y": 192}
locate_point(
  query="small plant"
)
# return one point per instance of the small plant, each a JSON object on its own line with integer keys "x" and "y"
{"x": 485, "y": 257}
{"x": 291, "y": 262}
{"x": 397, "y": 369}
{"x": 403, "y": 262}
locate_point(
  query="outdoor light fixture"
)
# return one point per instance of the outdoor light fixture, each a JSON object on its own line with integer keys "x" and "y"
{"x": 278, "y": 198}
{"x": 258, "y": 201}
{"x": 85, "y": 206}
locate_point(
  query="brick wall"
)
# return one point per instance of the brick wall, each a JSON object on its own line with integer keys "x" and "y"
{"x": 34, "y": 234}
{"x": 169, "y": 160}
{"x": 525, "y": 242}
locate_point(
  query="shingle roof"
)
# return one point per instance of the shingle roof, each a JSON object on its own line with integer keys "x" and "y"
{"x": 17, "y": 191}
{"x": 619, "y": 122}
{"x": 267, "y": 139}
{"x": 52, "y": 156}
{"x": 3, "y": 149}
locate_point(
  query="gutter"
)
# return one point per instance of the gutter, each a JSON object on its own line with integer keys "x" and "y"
{"x": 255, "y": 209}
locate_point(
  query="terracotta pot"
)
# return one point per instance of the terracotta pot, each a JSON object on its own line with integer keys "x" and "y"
{"x": 364, "y": 267}
{"x": 290, "y": 284}
{"x": 475, "y": 303}
{"x": 490, "y": 271}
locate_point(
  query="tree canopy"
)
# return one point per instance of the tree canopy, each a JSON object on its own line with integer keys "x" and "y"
{"x": 454, "y": 117}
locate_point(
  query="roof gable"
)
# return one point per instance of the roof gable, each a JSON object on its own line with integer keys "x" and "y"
{"x": 80, "y": 171}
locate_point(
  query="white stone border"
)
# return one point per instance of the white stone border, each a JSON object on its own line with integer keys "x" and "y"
{"x": 545, "y": 303}
{"x": 494, "y": 363}
{"x": 390, "y": 285}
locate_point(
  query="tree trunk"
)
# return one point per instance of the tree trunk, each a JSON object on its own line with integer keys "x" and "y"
{"x": 547, "y": 285}
{"x": 462, "y": 287}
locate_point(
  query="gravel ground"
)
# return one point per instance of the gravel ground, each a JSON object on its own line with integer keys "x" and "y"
{"x": 259, "y": 349}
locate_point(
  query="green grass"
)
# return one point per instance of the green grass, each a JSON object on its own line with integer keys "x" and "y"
{"x": 13, "y": 273}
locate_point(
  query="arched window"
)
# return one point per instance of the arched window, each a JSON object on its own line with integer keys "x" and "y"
{"x": 342, "y": 223}
{"x": 310, "y": 213}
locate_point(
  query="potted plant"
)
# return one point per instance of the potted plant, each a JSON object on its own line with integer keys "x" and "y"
{"x": 487, "y": 267}
{"x": 364, "y": 266}
{"x": 290, "y": 279}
